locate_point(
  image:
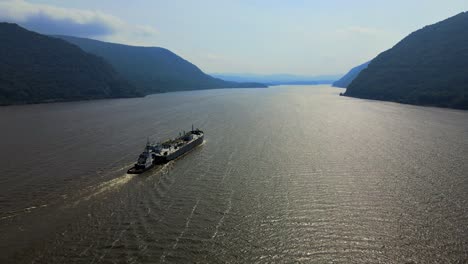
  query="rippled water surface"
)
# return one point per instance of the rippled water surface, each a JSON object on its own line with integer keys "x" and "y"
{"x": 286, "y": 174}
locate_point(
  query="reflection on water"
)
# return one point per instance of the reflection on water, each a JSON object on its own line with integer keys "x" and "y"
{"x": 287, "y": 174}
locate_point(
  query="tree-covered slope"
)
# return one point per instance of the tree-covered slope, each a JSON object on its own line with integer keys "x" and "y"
{"x": 153, "y": 69}
{"x": 344, "y": 81}
{"x": 36, "y": 68}
{"x": 429, "y": 67}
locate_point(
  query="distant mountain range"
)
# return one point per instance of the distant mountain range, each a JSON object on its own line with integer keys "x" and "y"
{"x": 154, "y": 69}
{"x": 36, "y": 68}
{"x": 346, "y": 80}
{"x": 429, "y": 67}
{"x": 277, "y": 79}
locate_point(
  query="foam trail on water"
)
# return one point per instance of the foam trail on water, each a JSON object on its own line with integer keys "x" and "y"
{"x": 220, "y": 223}
{"x": 187, "y": 224}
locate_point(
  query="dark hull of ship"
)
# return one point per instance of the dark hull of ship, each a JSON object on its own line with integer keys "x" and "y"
{"x": 135, "y": 170}
{"x": 181, "y": 151}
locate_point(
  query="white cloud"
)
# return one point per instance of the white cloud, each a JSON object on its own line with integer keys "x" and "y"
{"x": 364, "y": 30}
{"x": 49, "y": 19}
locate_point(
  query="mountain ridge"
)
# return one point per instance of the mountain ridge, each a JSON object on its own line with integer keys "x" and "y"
{"x": 36, "y": 68}
{"x": 277, "y": 79}
{"x": 346, "y": 80}
{"x": 428, "y": 67}
{"x": 154, "y": 69}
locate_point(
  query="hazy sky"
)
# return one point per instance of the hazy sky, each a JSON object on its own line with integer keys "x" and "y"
{"x": 244, "y": 36}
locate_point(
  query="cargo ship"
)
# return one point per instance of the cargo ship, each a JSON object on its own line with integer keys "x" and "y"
{"x": 161, "y": 153}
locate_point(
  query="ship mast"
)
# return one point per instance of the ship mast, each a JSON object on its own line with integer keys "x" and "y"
{"x": 147, "y": 144}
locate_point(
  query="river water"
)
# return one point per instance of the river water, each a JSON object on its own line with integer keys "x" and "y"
{"x": 286, "y": 174}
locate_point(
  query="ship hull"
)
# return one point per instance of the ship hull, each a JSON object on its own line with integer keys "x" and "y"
{"x": 135, "y": 170}
{"x": 181, "y": 151}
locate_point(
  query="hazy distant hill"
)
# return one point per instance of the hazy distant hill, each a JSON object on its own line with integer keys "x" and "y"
{"x": 153, "y": 69}
{"x": 277, "y": 79}
{"x": 346, "y": 80}
{"x": 429, "y": 67}
{"x": 37, "y": 68}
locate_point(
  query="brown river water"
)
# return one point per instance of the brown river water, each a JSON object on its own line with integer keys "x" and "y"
{"x": 286, "y": 174}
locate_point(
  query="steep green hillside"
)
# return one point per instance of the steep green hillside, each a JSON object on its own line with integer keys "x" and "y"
{"x": 36, "y": 68}
{"x": 154, "y": 69}
{"x": 429, "y": 67}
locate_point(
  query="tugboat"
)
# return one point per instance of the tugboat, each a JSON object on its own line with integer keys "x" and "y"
{"x": 145, "y": 161}
{"x": 161, "y": 153}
